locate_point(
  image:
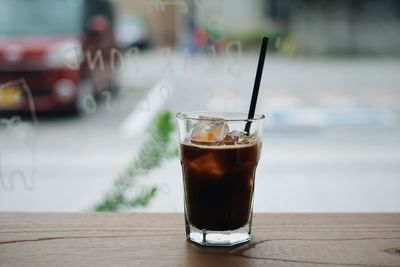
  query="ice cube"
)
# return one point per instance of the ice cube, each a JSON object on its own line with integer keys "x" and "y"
{"x": 229, "y": 139}
{"x": 243, "y": 139}
{"x": 209, "y": 132}
{"x": 208, "y": 166}
{"x": 236, "y": 137}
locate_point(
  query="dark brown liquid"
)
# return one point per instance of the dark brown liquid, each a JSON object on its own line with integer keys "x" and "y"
{"x": 219, "y": 184}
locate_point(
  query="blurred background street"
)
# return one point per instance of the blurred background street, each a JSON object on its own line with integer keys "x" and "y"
{"x": 330, "y": 92}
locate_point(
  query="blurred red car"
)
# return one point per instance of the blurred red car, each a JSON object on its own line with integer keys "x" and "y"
{"x": 61, "y": 48}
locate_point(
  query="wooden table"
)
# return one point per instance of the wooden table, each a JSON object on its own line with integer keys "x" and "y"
{"x": 129, "y": 239}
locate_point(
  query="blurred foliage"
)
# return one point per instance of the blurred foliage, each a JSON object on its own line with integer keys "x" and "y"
{"x": 157, "y": 147}
{"x": 252, "y": 39}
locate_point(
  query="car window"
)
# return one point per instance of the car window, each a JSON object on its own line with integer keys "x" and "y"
{"x": 40, "y": 17}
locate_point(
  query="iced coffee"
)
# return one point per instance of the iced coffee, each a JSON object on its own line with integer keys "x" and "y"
{"x": 218, "y": 166}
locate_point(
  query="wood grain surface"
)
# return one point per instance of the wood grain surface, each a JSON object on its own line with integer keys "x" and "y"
{"x": 129, "y": 239}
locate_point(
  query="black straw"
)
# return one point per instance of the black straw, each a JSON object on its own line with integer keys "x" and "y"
{"x": 256, "y": 87}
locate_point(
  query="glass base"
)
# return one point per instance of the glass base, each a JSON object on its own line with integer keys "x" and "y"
{"x": 218, "y": 238}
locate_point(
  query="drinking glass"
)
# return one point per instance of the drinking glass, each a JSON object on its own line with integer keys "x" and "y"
{"x": 219, "y": 153}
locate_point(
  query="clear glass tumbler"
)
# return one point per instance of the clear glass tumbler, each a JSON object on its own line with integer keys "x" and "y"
{"x": 219, "y": 153}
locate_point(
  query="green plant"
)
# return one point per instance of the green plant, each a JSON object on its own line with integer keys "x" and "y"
{"x": 251, "y": 40}
{"x": 157, "y": 147}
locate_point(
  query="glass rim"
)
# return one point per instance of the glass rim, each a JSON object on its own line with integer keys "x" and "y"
{"x": 237, "y": 116}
